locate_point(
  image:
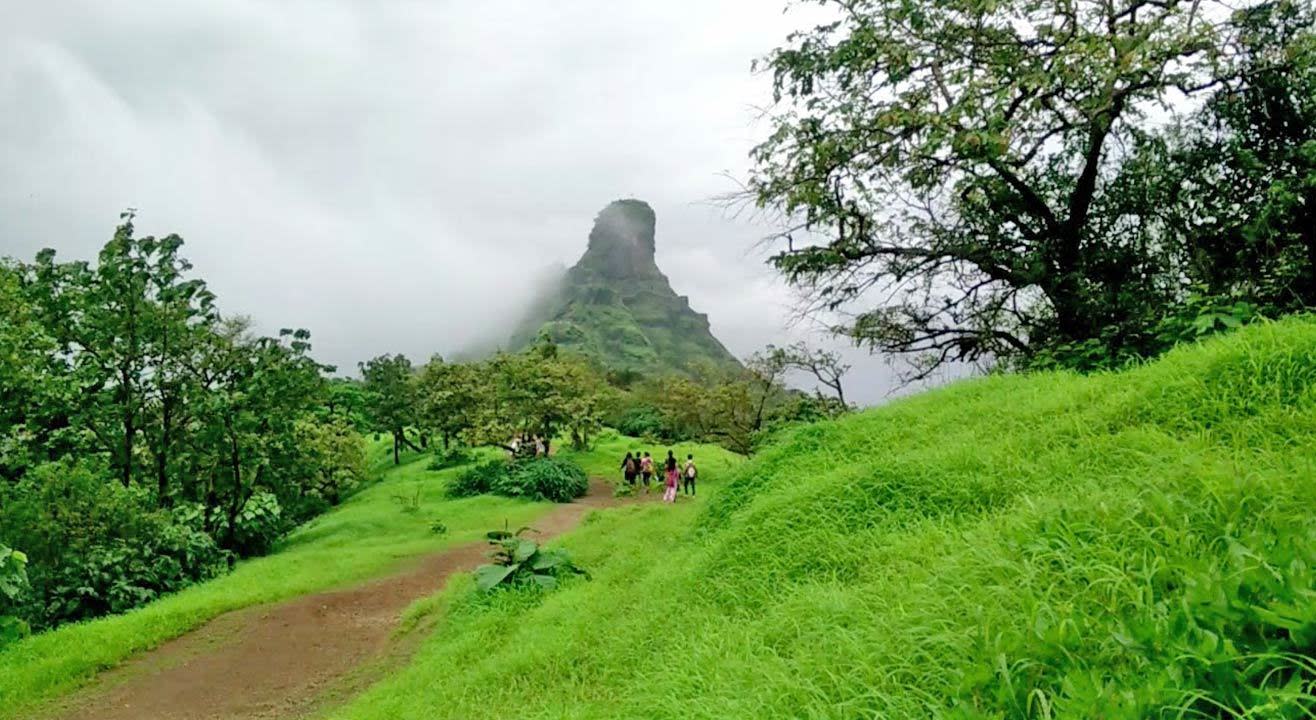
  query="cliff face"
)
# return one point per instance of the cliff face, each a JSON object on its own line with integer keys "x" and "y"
{"x": 616, "y": 305}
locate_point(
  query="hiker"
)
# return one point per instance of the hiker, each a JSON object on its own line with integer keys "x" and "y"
{"x": 689, "y": 474}
{"x": 669, "y": 495}
{"x": 630, "y": 468}
{"x": 646, "y": 471}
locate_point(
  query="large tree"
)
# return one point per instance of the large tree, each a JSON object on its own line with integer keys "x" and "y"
{"x": 1238, "y": 181}
{"x": 391, "y": 398}
{"x": 956, "y": 164}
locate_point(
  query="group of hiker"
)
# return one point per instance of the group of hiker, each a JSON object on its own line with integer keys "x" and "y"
{"x": 640, "y": 468}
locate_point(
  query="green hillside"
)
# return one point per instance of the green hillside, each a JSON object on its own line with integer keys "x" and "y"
{"x": 616, "y": 305}
{"x": 1123, "y": 545}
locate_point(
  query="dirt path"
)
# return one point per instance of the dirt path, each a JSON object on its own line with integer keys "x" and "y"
{"x": 279, "y": 661}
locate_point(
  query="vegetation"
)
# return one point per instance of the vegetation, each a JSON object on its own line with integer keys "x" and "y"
{"x": 617, "y": 308}
{"x": 999, "y": 174}
{"x": 1049, "y": 545}
{"x": 549, "y": 478}
{"x": 13, "y": 582}
{"x": 519, "y": 561}
{"x": 364, "y": 537}
{"x": 145, "y": 438}
{"x": 390, "y": 399}
{"x": 737, "y": 407}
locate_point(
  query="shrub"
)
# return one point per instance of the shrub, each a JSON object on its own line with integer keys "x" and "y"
{"x": 518, "y": 561}
{"x": 259, "y": 525}
{"x": 96, "y": 547}
{"x": 13, "y": 584}
{"x": 438, "y": 528}
{"x": 551, "y": 479}
{"x": 478, "y": 479}
{"x": 642, "y": 421}
{"x": 119, "y": 576}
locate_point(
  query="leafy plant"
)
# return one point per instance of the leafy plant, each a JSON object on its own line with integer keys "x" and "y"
{"x": 259, "y": 524}
{"x": 13, "y": 584}
{"x": 438, "y": 528}
{"x": 520, "y": 561}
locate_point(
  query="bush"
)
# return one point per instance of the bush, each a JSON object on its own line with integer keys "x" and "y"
{"x": 96, "y": 547}
{"x": 478, "y": 479}
{"x": 551, "y": 479}
{"x": 13, "y": 584}
{"x": 259, "y": 525}
{"x": 120, "y": 575}
{"x": 642, "y": 421}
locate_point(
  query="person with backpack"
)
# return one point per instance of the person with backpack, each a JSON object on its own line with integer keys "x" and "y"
{"x": 690, "y": 473}
{"x": 669, "y": 495}
{"x": 646, "y": 471}
{"x": 630, "y": 468}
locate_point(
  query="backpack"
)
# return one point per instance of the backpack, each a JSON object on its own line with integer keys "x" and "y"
{"x": 690, "y": 471}
{"x": 632, "y": 467}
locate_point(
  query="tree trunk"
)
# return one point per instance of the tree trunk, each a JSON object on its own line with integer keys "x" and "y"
{"x": 162, "y": 454}
{"x": 129, "y": 430}
{"x": 235, "y": 506}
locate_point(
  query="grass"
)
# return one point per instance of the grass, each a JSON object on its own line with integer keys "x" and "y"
{"x": 367, "y": 536}
{"x": 1123, "y": 545}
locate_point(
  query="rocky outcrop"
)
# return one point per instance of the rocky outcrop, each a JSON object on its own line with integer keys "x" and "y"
{"x": 616, "y": 305}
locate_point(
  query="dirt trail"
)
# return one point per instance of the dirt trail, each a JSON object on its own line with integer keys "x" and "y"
{"x": 279, "y": 661}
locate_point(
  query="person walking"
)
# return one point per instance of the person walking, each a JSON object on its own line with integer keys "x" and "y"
{"x": 669, "y": 495}
{"x": 689, "y": 473}
{"x": 630, "y": 468}
{"x": 646, "y": 471}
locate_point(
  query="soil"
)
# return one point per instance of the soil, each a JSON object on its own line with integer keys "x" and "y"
{"x": 290, "y": 659}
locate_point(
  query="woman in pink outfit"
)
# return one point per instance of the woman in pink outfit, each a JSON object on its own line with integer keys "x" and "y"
{"x": 672, "y": 476}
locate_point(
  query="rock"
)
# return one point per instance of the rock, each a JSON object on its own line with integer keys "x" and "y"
{"x": 616, "y": 305}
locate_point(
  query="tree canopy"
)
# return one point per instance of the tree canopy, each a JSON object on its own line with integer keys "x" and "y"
{"x": 967, "y": 180}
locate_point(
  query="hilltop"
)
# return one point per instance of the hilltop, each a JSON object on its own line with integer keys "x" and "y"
{"x": 617, "y": 306}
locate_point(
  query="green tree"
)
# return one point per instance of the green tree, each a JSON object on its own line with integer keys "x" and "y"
{"x": 449, "y": 396}
{"x": 1239, "y": 180}
{"x": 391, "y": 398}
{"x": 960, "y": 161}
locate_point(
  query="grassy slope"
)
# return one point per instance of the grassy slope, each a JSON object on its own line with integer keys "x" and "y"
{"x": 1044, "y": 546}
{"x": 366, "y": 536}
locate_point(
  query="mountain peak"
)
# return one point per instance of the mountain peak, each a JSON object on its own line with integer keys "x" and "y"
{"x": 621, "y": 245}
{"x": 617, "y": 306}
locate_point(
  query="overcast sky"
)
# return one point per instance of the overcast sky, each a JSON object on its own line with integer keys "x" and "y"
{"x": 384, "y": 173}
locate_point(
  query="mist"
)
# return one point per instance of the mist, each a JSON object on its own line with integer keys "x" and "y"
{"x": 398, "y": 177}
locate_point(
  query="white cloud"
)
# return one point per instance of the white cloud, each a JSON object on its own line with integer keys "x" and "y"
{"x": 389, "y": 175}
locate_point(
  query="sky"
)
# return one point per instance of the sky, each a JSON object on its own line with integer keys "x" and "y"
{"x": 393, "y": 174}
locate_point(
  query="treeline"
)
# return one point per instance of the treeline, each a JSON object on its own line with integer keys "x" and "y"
{"x": 546, "y": 393}
{"x": 146, "y": 439}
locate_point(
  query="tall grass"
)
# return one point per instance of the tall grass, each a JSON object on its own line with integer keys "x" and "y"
{"x": 1125, "y": 545}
